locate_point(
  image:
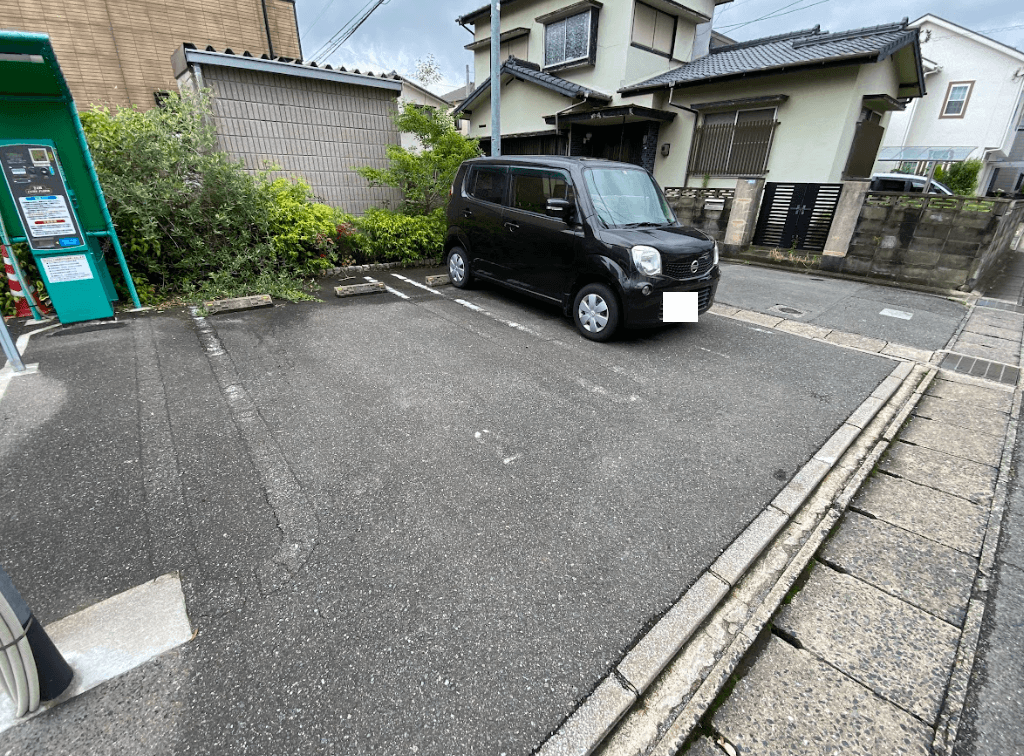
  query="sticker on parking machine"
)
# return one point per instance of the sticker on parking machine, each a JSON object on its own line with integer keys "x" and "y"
{"x": 679, "y": 307}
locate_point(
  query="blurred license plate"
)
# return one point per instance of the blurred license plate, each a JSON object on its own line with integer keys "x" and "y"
{"x": 679, "y": 307}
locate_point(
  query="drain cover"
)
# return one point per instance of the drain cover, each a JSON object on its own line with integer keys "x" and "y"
{"x": 787, "y": 310}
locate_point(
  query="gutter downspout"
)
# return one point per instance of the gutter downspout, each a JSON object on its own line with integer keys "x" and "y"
{"x": 568, "y": 146}
{"x": 266, "y": 26}
{"x": 693, "y": 135}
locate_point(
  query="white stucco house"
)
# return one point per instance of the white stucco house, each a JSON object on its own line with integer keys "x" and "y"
{"x": 417, "y": 94}
{"x": 648, "y": 82}
{"x": 974, "y": 108}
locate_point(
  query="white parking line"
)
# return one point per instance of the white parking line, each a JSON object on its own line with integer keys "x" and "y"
{"x": 418, "y": 284}
{"x": 492, "y": 316}
{"x": 396, "y": 292}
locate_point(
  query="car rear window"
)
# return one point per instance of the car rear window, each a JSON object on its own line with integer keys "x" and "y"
{"x": 890, "y": 185}
{"x": 488, "y": 184}
{"x": 532, "y": 188}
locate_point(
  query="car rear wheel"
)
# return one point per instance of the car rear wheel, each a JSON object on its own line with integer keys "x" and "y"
{"x": 458, "y": 268}
{"x": 596, "y": 312}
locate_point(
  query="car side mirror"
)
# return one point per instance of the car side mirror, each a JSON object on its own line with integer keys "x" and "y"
{"x": 559, "y": 208}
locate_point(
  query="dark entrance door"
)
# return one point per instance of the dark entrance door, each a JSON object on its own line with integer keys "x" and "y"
{"x": 796, "y": 216}
{"x": 622, "y": 142}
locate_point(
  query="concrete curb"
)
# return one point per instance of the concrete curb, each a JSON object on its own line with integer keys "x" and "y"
{"x": 717, "y": 619}
{"x": 236, "y": 304}
{"x": 370, "y": 287}
{"x": 349, "y": 270}
{"x": 842, "y": 339}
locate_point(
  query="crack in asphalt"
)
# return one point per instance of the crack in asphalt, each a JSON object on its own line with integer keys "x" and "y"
{"x": 292, "y": 510}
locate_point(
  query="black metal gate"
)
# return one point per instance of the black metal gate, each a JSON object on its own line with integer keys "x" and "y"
{"x": 796, "y": 216}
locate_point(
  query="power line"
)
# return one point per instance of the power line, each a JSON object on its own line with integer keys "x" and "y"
{"x": 776, "y": 14}
{"x": 319, "y": 16}
{"x": 342, "y": 35}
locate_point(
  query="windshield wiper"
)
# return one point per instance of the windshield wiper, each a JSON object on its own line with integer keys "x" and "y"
{"x": 642, "y": 224}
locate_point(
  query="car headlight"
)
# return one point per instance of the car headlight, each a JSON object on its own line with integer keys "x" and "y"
{"x": 647, "y": 260}
{"x": 716, "y": 254}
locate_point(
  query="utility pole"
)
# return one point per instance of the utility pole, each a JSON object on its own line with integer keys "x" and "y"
{"x": 495, "y": 78}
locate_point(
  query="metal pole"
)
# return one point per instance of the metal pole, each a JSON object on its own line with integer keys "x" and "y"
{"x": 103, "y": 206}
{"x": 495, "y": 78}
{"x": 10, "y": 349}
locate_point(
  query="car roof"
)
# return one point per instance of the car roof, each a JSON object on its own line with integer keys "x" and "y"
{"x": 553, "y": 161}
{"x": 910, "y": 176}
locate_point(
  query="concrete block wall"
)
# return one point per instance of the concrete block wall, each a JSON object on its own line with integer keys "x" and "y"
{"x": 117, "y": 52}
{"x": 939, "y": 242}
{"x": 706, "y": 209}
{"x": 321, "y": 131}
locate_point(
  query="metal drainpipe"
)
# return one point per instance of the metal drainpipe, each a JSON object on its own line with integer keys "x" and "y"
{"x": 266, "y": 26}
{"x": 568, "y": 146}
{"x": 696, "y": 114}
{"x": 495, "y": 78}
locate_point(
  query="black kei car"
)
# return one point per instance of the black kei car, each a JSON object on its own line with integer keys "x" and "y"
{"x": 595, "y": 236}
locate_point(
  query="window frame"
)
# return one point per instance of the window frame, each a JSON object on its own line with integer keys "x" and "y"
{"x": 589, "y": 57}
{"x": 966, "y": 101}
{"x": 732, "y": 143}
{"x": 675, "y": 31}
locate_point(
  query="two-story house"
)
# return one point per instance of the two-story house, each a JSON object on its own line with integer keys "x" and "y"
{"x": 974, "y": 108}
{"x": 647, "y": 82}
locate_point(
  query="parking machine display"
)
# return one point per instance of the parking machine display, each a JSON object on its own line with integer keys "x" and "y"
{"x": 40, "y": 195}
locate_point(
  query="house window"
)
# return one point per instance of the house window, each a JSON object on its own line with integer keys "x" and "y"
{"x": 735, "y": 143}
{"x": 957, "y": 97}
{"x": 653, "y": 30}
{"x": 567, "y": 40}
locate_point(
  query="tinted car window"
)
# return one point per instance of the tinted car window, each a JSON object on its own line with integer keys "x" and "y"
{"x": 889, "y": 185}
{"x": 531, "y": 189}
{"x": 488, "y": 184}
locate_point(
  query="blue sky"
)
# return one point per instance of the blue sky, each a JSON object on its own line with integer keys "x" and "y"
{"x": 400, "y": 32}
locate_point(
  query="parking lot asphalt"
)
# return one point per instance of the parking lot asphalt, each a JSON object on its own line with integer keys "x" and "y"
{"x": 403, "y": 525}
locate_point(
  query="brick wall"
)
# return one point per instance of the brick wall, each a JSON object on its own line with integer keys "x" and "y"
{"x": 706, "y": 209}
{"x": 117, "y": 52}
{"x": 319, "y": 130}
{"x": 940, "y": 242}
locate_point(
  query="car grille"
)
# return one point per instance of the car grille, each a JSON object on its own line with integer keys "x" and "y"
{"x": 703, "y": 302}
{"x": 682, "y": 268}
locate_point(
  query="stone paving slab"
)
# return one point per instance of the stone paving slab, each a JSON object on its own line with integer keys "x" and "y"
{"x": 866, "y": 343}
{"x": 792, "y": 704}
{"x": 703, "y": 747}
{"x": 978, "y": 396}
{"x": 804, "y": 329}
{"x": 998, "y": 350}
{"x": 898, "y": 651}
{"x": 992, "y": 331}
{"x": 999, "y": 318}
{"x": 955, "y": 475}
{"x": 931, "y": 434}
{"x": 942, "y": 517}
{"x": 917, "y": 570}
{"x": 979, "y": 419}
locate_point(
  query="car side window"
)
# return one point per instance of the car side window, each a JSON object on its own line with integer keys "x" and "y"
{"x": 890, "y": 185}
{"x": 532, "y": 188}
{"x": 488, "y": 184}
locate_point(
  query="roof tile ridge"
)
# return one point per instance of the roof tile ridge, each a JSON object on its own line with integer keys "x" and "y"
{"x": 816, "y": 30}
{"x": 866, "y": 31}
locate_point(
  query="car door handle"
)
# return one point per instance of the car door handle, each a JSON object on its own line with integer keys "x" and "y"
{"x": 511, "y": 226}
{"x": 468, "y": 213}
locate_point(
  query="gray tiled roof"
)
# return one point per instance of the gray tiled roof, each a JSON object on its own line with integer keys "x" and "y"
{"x": 794, "y": 50}
{"x": 526, "y": 71}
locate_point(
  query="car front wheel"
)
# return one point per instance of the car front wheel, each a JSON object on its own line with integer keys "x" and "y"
{"x": 458, "y": 268}
{"x": 596, "y": 312}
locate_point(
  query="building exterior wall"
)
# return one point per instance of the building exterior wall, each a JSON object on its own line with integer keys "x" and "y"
{"x": 992, "y": 113}
{"x": 117, "y": 52}
{"x": 417, "y": 96}
{"x": 811, "y": 143}
{"x": 320, "y": 131}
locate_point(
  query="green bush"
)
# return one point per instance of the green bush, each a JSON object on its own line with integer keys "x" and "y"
{"x": 961, "y": 178}
{"x": 195, "y": 224}
{"x": 387, "y": 235}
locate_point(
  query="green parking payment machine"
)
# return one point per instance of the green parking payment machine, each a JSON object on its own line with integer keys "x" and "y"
{"x": 72, "y": 266}
{"x": 50, "y": 196}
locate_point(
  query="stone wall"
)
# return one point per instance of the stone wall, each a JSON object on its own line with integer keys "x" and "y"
{"x": 934, "y": 241}
{"x": 706, "y": 209}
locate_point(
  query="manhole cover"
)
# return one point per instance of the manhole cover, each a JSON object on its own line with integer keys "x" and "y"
{"x": 787, "y": 310}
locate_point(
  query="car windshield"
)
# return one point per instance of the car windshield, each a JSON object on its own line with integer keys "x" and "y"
{"x": 627, "y": 197}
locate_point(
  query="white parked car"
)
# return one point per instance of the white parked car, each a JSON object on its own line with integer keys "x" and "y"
{"x": 906, "y": 182}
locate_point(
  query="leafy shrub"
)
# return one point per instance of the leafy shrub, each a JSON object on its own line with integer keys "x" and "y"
{"x": 387, "y": 235}
{"x": 425, "y": 174}
{"x": 191, "y": 221}
{"x": 961, "y": 178}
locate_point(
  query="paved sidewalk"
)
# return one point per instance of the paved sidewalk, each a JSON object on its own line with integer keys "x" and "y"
{"x": 879, "y": 651}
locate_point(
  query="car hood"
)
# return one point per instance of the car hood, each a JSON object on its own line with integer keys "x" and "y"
{"x": 671, "y": 241}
